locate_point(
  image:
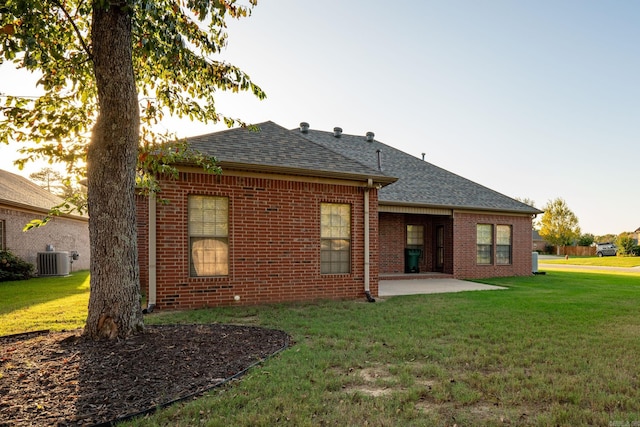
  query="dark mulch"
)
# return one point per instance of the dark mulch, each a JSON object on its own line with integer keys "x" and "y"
{"x": 61, "y": 379}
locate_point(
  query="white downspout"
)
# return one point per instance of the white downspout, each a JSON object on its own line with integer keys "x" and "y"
{"x": 367, "y": 274}
{"x": 151, "y": 300}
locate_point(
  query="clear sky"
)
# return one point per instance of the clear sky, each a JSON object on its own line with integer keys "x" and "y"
{"x": 532, "y": 99}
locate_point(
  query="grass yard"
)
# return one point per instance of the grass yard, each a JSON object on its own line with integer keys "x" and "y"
{"x": 607, "y": 261}
{"x": 559, "y": 349}
{"x": 52, "y": 303}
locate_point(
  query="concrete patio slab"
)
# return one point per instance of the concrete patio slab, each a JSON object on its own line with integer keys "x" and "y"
{"x": 388, "y": 288}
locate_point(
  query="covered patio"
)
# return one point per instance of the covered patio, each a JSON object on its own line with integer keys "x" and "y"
{"x": 389, "y": 288}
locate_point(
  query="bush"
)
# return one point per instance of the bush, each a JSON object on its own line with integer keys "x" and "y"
{"x": 625, "y": 245}
{"x": 586, "y": 240}
{"x": 13, "y": 267}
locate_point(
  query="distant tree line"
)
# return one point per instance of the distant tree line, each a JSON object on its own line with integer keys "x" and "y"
{"x": 559, "y": 226}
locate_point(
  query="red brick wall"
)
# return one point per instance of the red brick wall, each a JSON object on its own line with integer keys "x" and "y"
{"x": 464, "y": 246}
{"x": 392, "y": 242}
{"x": 274, "y": 242}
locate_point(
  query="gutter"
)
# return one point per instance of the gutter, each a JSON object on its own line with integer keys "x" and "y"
{"x": 35, "y": 210}
{"x": 151, "y": 300}
{"x": 367, "y": 262}
{"x": 314, "y": 173}
{"x": 452, "y": 208}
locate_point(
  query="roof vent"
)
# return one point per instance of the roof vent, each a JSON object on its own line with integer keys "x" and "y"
{"x": 379, "y": 152}
{"x": 423, "y": 154}
{"x": 304, "y": 127}
{"x": 370, "y": 136}
{"x": 337, "y": 132}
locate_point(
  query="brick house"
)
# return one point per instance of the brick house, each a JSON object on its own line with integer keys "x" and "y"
{"x": 304, "y": 214}
{"x": 22, "y": 201}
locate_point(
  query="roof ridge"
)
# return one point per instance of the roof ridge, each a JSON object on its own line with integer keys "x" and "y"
{"x": 279, "y": 148}
{"x": 15, "y": 188}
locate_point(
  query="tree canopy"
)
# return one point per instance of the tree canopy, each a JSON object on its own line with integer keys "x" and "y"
{"x": 174, "y": 49}
{"x": 110, "y": 70}
{"x": 559, "y": 225}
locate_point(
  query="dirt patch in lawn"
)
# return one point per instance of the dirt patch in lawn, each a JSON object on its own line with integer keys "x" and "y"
{"x": 62, "y": 379}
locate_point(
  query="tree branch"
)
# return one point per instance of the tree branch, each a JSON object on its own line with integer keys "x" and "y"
{"x": 66, "y": 13}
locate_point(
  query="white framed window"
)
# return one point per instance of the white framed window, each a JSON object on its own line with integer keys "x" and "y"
{"x": 208, "y": 236}
{"x": 415, "y": 235}
{"x": 335, "y": 238}
{"x": 484, "y": 244}
{"x": 503, "y": 244}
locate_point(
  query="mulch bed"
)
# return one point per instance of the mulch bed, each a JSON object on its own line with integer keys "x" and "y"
{"x": 61, "y": 379}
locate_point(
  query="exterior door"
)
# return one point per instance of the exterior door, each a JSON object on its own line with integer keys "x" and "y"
{"x": 439, "y": 252}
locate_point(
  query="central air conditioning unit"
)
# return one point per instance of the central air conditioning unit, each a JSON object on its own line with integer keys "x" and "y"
{"x": 53, "y": 263}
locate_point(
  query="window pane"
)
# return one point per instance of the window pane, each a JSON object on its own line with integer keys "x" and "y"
{"x": 209, "y": 257}
{"x": 484, "y": 254}
{"x": 484, "y": 234}
{"x": 208, "y": 236}
{"x": 484, "y": 240}
{"x": 503, "y": 244}
{"x": 503, "y": 235}
{"x": 335, "y": 220}
{"x": 503, "y": 254}
{"x": 415, "y": 235}
{"x": 335, "y": 242}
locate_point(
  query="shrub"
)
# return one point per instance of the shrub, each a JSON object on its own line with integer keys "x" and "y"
{"x": 586, "y": 240}
{"x": 625, "y": 245}
{"x": 13, "y": 267}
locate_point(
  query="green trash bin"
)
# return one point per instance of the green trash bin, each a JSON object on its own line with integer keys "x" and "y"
{"x": 412, "y": 260}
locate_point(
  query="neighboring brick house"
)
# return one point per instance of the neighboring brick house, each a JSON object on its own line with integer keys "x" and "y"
{"x": 22, "y": 201}
{"x": 539, "y": 244}
{"x": 304, "y": 214}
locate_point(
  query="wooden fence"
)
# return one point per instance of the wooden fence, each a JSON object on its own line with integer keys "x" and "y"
{"x": 574, "y": 250}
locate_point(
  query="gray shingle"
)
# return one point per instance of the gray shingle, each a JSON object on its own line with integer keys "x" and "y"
{"x": 18, "y": 190}
{"x": 420, "y": 183}
{"x": 277, "y": 147}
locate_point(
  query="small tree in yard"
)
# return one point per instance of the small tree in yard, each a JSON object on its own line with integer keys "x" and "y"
{"x": 586, "y": 239}
{"x": 626, "y": 244}
{"x": 98, "y": 59}
{"x": 559, "y": 225}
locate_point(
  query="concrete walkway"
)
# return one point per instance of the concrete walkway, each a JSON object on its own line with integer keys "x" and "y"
{"x": 388, "y": 288}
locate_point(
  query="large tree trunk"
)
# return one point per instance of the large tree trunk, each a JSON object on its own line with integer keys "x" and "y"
{"x": 114, "y": 304}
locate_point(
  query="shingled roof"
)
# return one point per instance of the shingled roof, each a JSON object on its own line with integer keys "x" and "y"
{"x": 412, "y": 181}
{"x": 420, "y": 183}
{"x": 274, "y": 148}
{"x": 20, "y": 192}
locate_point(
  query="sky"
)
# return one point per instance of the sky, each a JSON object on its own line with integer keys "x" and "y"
{"x": 533, "y": 99}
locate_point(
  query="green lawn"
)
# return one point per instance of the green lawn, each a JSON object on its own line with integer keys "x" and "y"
{"x": 607, "y": 261}
{"x": 558, "y": 349}
{"x": 53, "y": 303}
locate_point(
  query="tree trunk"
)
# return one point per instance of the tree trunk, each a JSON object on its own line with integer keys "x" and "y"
{"x": 114, "y": 303}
